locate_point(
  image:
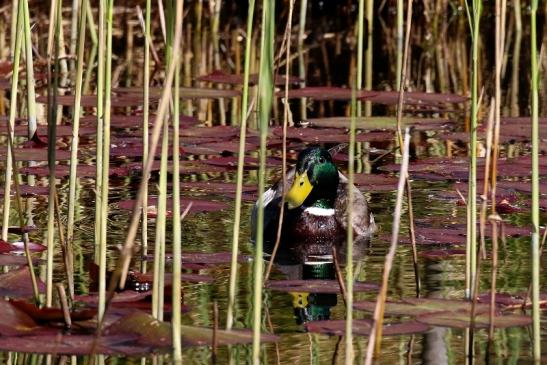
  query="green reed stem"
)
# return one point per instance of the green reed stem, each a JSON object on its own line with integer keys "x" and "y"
{"x": 31, "y": 94}
{"x": 471, "y": 247}
{"x": 241, "y": 158}
{"x": 91, "y": 23}
{"x": 145, "y": 121}
{"x": 400, "y": 41}
{"x": 300, "y": 49}
{"x": 53, "y": 81}
{"x": 14, "y": 33}
{"x": 369, "y": 15}
{"x": 177, "y": 245}
{"x": 375, "y": 338}
{"x": 534, "y": 74}
{"x": 355, "y": 108}
{"x": 105, "y": 161}
{"x": 19, "y": 204}
{"x": 100, "y": 107}
{"x": 11, "y": 123}
{"x": 159, "y": 244}
{"x": 74, "y": 29}
{"x": 265, "y": 98}
{"x": 360, "y": 41}
{"x": 73, "y": 178}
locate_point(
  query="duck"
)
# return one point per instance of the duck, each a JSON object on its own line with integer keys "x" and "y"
{"x": 315, "y": 212}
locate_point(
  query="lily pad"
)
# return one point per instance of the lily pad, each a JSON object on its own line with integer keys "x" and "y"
{"x": 317, "y": 286}
{"x": 381, "y": 123}
{"x": 17, "y": 283}
{"x": 35, "y": 154}
{"x": 198, "y": 205}
{"x": 421, "y": 306}
{"x": 461, "y": 320}
{"x": 363, "y": 327}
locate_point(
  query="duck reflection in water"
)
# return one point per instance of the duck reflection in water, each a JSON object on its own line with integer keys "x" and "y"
{"x": 314, "y": 220}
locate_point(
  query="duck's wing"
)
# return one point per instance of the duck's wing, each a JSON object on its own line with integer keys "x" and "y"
{"x": 362, "y": 220}
{"x": 272, "y": 200}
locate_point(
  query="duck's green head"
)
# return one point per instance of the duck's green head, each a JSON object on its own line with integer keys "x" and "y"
{"x": 315, "y": 181}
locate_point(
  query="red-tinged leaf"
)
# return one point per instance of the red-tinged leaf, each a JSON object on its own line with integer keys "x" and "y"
{"x": 231, "y": 162}
{"x": 185, "y": 93}
{"x": 91, "y": 100}
{"x": 363, "y": 327}
{"x": 15, "y": 322}
{"x": 198, "y": 205}
{"x": 420, "y": 306}
{"x": 5, "y": 247}
{"x": 56, "y": 343}
{"x": 81, "y": 171}
{"x": 215, "y": 187}
{"x": 51, "y": 314}
{"x": 16, "y": 260}
{"x": 122, "y": 121}
{"x": 221, "y": 77}
{"x": 461, "y": 320}
{"x": 17, "y": 284}
{"x": 199, "y": 336}
{"x": 126, "y": 296}
{"x": 511, "y": 301}
{"x": 35, "y": 154}
{"x": 216, "y": 132}
{"x": 381, "y": 123}
{"x": 19, "y": 246}
{"x": 29, "y": 191}
{"x": 317, "y": 286}
{"x": 149, "y": 330}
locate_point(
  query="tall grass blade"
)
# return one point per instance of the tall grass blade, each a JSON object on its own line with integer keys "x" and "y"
{"x": 534, "y": 77}
{"x": 232, "y": 291}
{"x": 265, "y": 98}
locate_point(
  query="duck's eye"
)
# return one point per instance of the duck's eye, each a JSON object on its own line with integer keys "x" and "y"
{"x": 321, "y": 159}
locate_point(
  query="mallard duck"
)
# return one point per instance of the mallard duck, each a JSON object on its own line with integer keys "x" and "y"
{"x": 315, "y": 216}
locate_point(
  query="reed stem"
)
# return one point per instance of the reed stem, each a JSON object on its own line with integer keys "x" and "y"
{"x": 75, "y": 133}
{"x": 375, "y": 338}
{"x": 241, "y": 158}
{"x": 105, "y": 161}
{"x": 11, "y": 123}
{"x": 534, "y": 75}
{"x": 265, "y": 97}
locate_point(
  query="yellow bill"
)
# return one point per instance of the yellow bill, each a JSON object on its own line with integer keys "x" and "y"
{"x": 299, "y": 190}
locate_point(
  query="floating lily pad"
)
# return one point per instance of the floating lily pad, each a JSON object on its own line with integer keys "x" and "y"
{"x": 198, "y": 205}
{"x": 15, "y": 322}
{"x": 15, "y": 260}
{"x": 317, "y": 286}
{"x": 29, "y": 191}
{"x": 512, "y": 301}
{"x": 35, "y": 154}
{"x": 363, "y": 328}
{"x": 231, "y": 161}
{"x": 221, "y": 77}
{"x": 215, "y": 187}
{"x": 19, "y": 247}
{"x": 91, "y": 100}
{"x": 154, "y": 333}
{"x": 81, "y": 171}
{"x": 185, "y": 93}
{"x": 51, "y": 314}
{"x": 461, "y": 320}
{"x": 421, "y": 306}
{"x": 17, "y": 284}
{"x": 57, "y": 343}
{"x": 380, "y": 123}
